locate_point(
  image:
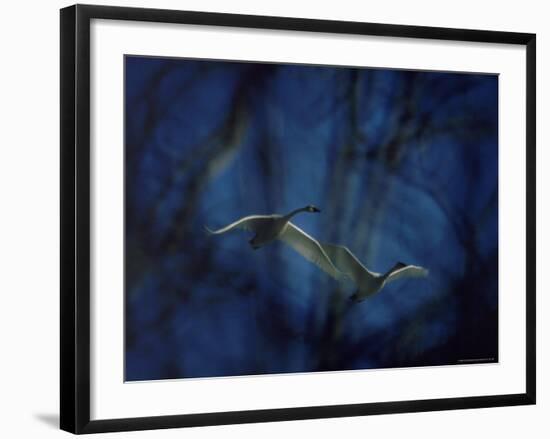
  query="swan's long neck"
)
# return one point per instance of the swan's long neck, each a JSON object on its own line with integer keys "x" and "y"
{"x": 294, "y": 212}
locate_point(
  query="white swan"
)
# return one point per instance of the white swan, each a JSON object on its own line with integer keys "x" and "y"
{"x": 268, "y": 228}
{"x": 368, "y": 282}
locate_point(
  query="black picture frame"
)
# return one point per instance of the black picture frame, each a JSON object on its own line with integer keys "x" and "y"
{"x": 75, "y": 217}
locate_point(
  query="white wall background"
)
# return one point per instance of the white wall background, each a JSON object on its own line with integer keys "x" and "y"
{"x": 29, "y": 248}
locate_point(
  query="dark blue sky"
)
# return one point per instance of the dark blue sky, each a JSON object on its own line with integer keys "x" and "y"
{"x": 402, "y": 164}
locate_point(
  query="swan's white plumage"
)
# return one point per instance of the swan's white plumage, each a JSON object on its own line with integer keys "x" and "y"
{"x": 309, "y": 248}
{"x": 268, "y": 228}
{"x": 335, "y": 260}
{"x": 368, "y": 282}
{"x": 342, "y": 257}
{"x": 250, "y": 223}
{"x": 407, "y": 271}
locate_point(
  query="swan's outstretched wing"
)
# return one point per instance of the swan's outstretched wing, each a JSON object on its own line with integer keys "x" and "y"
{"x": 407, "y": 271}
{"x": 250, "y": 223}
{"x": 310, "y": 249}
{"x": 345, "y": 261}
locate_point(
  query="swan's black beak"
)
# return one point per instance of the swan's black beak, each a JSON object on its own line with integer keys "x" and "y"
{"x": 315, "y": 209}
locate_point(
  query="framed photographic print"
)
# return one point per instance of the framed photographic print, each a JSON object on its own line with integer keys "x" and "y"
{"x": 268, "y": 218}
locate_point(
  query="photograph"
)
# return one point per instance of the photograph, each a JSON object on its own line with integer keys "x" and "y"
{"x": 291, "y": 218}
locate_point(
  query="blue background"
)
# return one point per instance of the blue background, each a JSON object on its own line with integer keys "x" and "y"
{"x": 403, "y": 165}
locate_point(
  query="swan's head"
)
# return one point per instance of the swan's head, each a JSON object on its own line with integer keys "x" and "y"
{"x": 311, "y": 208}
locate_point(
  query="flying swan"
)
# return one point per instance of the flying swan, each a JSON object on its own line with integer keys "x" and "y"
{"x": 368, "y": 282}
{"x": 268, "y": 228}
